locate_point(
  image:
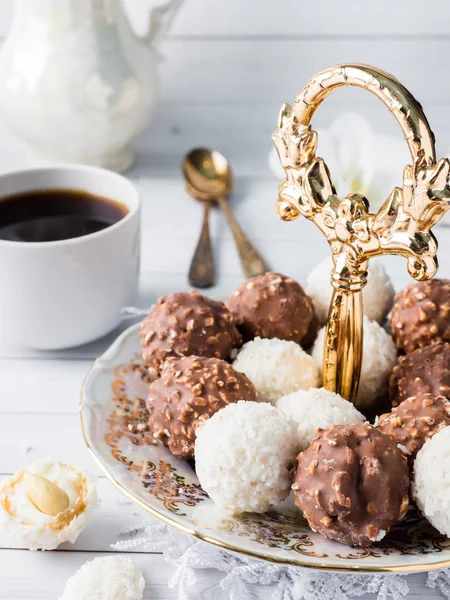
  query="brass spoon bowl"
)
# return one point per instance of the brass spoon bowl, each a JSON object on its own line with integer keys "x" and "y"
{"x": 209, "y": 179}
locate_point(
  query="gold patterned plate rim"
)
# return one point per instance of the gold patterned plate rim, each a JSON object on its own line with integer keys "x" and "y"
{"x": 167, "y": 487}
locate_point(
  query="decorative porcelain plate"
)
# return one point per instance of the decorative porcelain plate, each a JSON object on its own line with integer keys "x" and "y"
{"x": 113, "y": 419}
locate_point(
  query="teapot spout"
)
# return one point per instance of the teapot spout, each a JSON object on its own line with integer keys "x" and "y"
{"x": 160, "y": 20}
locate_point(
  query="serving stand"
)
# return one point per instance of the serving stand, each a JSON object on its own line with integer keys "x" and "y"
{"x": 112, "y": 408}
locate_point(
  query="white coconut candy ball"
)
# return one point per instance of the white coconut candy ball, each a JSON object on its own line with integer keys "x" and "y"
{"x": 45, "y": 504}
{"x": 106, "y": 578}
{"x": 378, "y": 294}
{"x": 243, "y": 456}
{"x": 315, "y": 408}
{"x": 431, "y": 481}
{"x": 379, "y": 358}
{"x": 277, "y": 367}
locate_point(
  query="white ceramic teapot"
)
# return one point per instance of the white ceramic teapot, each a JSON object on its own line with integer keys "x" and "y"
{"x": 76, "y": 83}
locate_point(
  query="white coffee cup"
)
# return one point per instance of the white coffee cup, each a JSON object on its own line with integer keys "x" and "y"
{"x": 64, "y": 293}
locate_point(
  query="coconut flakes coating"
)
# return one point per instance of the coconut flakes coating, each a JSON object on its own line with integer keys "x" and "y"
{"x": 318, "y": 408}
{"x": 431, "y": 481}
{"x": 106, "y": 578}
{"x": 423, "y": 371}
{"x": 277, "y": 367}
{"x": 184, "y": 324}
{"x": 190, "y": 390}
{"x": 352, "y": 484}
{"x": 421, "y": 315}
{"x": 244, "y": 454}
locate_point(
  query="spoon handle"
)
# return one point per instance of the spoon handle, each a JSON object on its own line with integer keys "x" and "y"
{"x": 202, "y": 272}
{"x": 252, "y": 262}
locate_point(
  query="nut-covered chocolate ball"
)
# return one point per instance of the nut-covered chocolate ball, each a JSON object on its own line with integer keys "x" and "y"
{"x": 312, "y": 332}
{"x": 273, "y": 306}
{"x": 185, "y": 324}
{"x": 421, "y": 315}
{"x": 190, "y": 390}
{"x": 415, "y": 421}
{"x": 423, "y": 371}
{"x": 352, "y": 484}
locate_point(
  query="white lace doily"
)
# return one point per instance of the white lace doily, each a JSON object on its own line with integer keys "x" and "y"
{"x": 187, "y": 555}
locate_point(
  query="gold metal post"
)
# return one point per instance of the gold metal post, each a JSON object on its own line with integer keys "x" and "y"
{"x": 401, "y": 226}
{"x": 343, "y": 344}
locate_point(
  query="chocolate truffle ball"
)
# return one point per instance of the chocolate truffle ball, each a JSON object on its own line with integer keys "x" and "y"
{"x": 190, "y": 390}
{"x": 352, "y": 484}
{"x": 185, "y": 324}
{"x": 421, "y": 315}
{"x": 415, "y": 421}
{"x": 423, "y": 371}
{"x": 273, "y": 306}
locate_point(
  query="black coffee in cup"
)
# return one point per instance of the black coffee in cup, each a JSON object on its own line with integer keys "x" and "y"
{"x": 53, "y": 214}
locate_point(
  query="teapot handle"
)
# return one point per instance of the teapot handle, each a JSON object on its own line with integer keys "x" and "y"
{"x": 160, "y": 20}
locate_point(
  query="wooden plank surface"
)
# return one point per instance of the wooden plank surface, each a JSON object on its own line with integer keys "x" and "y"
{"x": 40, "y": 582}
{"x": 28, "y": 437}
{"x": 253, "y": 18}
{"x": 258, "y": 70}
{"x": 46, "y": 574}
{"x": 225, "y": 74}
{"x": 241, "y": 130}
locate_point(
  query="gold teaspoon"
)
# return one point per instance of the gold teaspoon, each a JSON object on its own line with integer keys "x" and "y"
{"x": 208, "y": 178}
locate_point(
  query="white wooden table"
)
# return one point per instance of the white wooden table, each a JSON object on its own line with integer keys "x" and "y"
{"x": 225, "y": 76}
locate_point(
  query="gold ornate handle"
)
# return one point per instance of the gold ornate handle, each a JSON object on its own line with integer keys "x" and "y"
{"x": 401, "y": 226}
{"x": 343, "y": 344}
{"x": 400, "y": 102}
